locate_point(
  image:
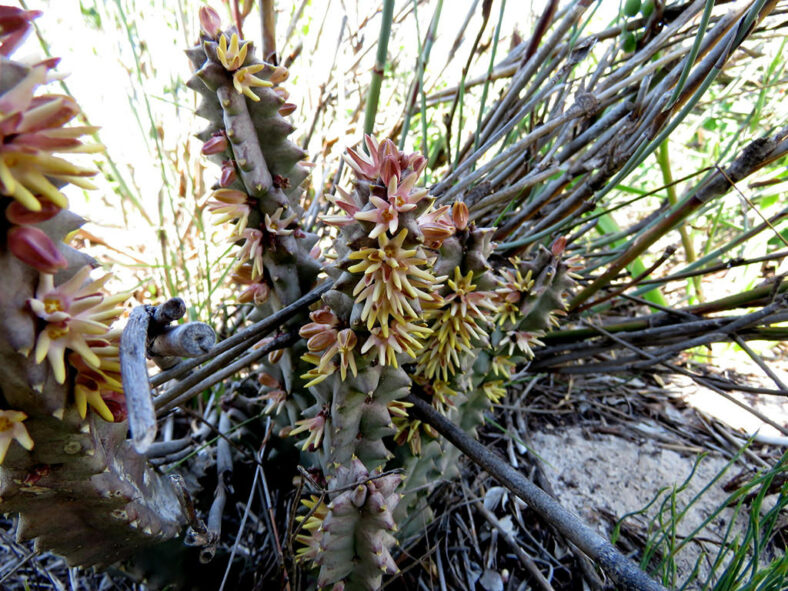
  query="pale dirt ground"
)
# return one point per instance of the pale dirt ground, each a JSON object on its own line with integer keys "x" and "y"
{"x": 602, "y": 477}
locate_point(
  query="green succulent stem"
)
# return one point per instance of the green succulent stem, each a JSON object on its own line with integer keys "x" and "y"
{"x": 380, "y": 65}
{"x": 663, "y": 158}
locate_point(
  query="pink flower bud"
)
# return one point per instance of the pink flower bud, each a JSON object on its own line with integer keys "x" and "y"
{"x": 14, "y": 27}
{"x": 417, "y": 162}
{"x": 18, "y": 214}
{"x": 228, "y": 175}
{"x": 210, "y": 22}
{"x": 281, "y": 93}
{"x": 322, "y": 340}
{"x": 460, "y": 215}
{"x": 266, "y": 379}
{"x": 275, "y": 356}
{"x": 359, "y": 495}
{"x": 33, "y": 247}
{"x": 216, "y": 145}
{"x": 280, "y": 74}
{"x": 558, "y": 246}
{"x": 388, "y": 148}
{"x": 389, "y": 169}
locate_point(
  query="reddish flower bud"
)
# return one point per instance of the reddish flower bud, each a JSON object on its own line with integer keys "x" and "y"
{"x": 116, "y": 403}
{"x": 33, "y": 247}
{"x": 347, "y": 339}
{"x": 216, "y": 145}
{"x": 322, "y": 340}
{"x": 14, "y": 27}
{"x": 266, "y": 379}
{"x": 228, "y": 175}
{"x": 36, "y": 473}
{"x": 324, "y": 315}
{"x": 18, "y": 214}
{"x": 558, "y": 246}
{"x": 280, "y": 74}
{"x": 275, "y": 356}
{"x": 389, "y": 169}
{"x": 210, "y": 22}
{"x": 49, "y": 63}
{"x": 460, "y": 215}
{"x": 286, "y": 109}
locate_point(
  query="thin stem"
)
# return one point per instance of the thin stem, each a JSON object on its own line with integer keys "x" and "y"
{"x": 380, "y": 64}
{"x": 663, "y": 158}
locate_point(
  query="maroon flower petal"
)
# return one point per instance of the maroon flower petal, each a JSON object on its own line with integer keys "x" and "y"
{"x": 18, "y": 214}
{"x": 216, "y": 145}
{"x": 33, "y": 247}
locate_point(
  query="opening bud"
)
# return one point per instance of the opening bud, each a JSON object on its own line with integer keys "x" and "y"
{"x": 460, "y": 215}
{"x": 210, "y": 22}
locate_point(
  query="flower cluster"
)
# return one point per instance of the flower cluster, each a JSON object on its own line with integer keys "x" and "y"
{"x": 311, "y": 523}
{"x": 325, "y": 341}
{"x": 531, "y": 297}
{"x": 388, "y": 221}
{"x": 257, "y": 227}
{"x": 33, "y": 132}
{"x": 232, "y": 56}
{"x": 77, "y": 317}
{"x": 457, "y": 326}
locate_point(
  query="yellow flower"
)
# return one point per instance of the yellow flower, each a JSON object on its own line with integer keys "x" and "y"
{"x": 31, "y": 132}
{"x": 231, "y": 205}
{"x": 94, "y": 382}
{"x": 494, "y": 390}
{"x": 75, "y": 312}
{"x": 274, "y": 224}
{"x": 234, "y": 57}
{"x": 455, "y": 327}
{"x": 399, "y": 338}
{"x": 315, "y": 426}
{"x": 11, "y": 427}
{"x": 391, "y": 279}
{"x": 311, "y": 540}
{"x": 244, "y": 80}
{"x": 512, "y": 288}
{"x": 252, "y": 250}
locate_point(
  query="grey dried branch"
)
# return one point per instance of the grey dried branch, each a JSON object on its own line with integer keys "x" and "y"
{"x": 620, "y": 568}
{"x": 134, "y": 373}
{"x": 197, "y": 382}
{"x": 243, "y": 339}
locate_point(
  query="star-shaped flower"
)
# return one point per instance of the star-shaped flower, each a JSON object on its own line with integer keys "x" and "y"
{"x": 233, "y": 57}
{"x": 244, "y": 80}
{"x": 75, "y": 312}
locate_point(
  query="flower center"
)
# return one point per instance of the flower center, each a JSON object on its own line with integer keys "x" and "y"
{"x": 52, "y": 305}
{"x": 5, "y": 424}
{"x": 57, "y": 331}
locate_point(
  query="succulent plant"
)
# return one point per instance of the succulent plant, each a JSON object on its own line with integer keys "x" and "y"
{"x": 79, "y": 487}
